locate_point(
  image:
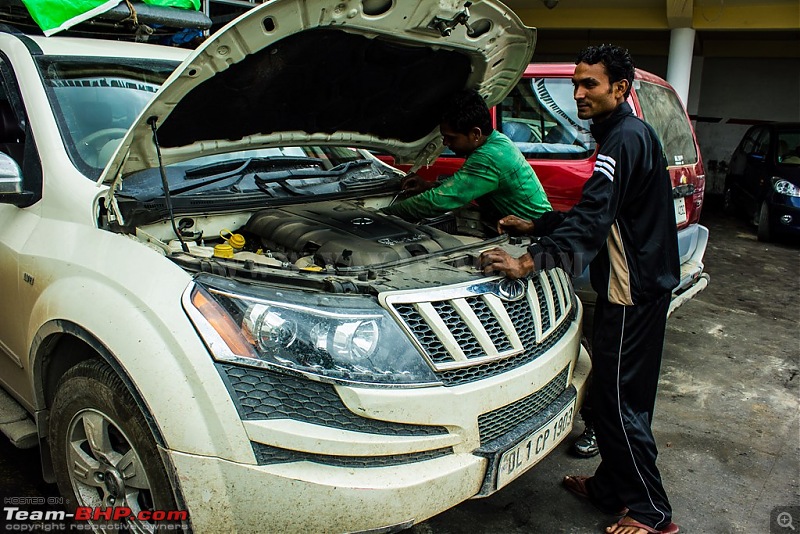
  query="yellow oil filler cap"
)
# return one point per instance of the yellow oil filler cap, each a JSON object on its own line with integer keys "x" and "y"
{"x": 234, "y": 240}
{"x": 223, "y": 250}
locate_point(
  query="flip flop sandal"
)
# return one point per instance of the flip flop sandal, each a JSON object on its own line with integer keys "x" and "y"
{"x": 626, "y": 521}
{"x": 576, "y": 484}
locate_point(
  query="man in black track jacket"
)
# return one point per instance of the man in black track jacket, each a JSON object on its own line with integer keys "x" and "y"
{"x": 624, "y": 224}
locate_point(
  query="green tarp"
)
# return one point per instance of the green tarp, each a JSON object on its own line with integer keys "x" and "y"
{"x": 53, "y": 16}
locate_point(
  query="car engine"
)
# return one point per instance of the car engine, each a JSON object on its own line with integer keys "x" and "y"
{"x": 344, "y": 234}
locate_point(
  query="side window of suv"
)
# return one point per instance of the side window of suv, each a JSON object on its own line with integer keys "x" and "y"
{"x": 662, "y": 109}
{"x": 540, "y": 116}
{"x": 12, "y": 132}
{"x": 15, "y": 135}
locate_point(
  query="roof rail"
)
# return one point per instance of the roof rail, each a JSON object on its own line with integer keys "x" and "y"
{"x": 150, "y": 14}
{"x": 119, "y": 17}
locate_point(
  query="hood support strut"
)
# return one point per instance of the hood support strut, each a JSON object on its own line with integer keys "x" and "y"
{"x": 152, "y": 121}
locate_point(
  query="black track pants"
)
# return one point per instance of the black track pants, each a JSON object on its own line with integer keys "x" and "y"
{"x": 626, "y": 360}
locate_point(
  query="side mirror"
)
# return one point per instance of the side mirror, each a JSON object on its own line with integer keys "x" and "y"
{"x": 11, "y": 191}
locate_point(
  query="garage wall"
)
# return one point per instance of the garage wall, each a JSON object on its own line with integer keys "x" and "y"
{"x": 750, "y": 88}
{"x": 735, "y": 93}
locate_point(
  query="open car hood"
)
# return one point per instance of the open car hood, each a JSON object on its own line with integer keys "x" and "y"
{"x": 369, "y": 73}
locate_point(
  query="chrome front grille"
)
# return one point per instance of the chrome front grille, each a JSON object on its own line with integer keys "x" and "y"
{"x": 461, "y": 327}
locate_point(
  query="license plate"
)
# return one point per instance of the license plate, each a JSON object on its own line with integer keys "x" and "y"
{"x": 536, "y": 446}
{"x": 680, "y": 210}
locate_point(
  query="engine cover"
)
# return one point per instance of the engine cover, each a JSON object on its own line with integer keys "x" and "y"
{"x": 345, "y": 234}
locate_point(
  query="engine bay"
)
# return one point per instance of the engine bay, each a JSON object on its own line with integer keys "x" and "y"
{"x": 343, "y": 235}
{"x": 343, "y": 239}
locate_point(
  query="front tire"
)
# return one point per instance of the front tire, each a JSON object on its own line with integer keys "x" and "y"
{"x": 103, "y": 453}
{"x": 764, "y": 230}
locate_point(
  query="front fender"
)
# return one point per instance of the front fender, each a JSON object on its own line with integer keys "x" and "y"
{"x": 149, "y": 340}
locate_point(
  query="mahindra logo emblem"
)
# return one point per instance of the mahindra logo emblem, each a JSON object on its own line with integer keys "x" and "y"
{"x": 508, "y": 289}
{"x": 361, "y": 221}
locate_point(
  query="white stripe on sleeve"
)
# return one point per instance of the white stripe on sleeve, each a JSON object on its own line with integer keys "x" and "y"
{"x": 605, "y": 165}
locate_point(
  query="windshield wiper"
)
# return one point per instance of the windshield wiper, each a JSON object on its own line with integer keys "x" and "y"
{"x": 296, "y": 174}
{"x": 212, "y": 179}
{"x": 237, "y": 165}
{"x": 283, "y": 177}
{"x": 344, "y": 167}
{"x": 235, "y": 168}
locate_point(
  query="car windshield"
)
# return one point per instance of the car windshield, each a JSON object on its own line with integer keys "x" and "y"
{"x": 95, "y": 101}
{"x": 789, "y": 147}
{"x": 540, "y": 116}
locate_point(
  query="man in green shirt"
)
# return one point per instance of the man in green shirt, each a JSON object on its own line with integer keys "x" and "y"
{"x": 495, "y": 174}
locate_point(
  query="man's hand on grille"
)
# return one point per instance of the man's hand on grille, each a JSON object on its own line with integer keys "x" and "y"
{"x": 498, "y": 261}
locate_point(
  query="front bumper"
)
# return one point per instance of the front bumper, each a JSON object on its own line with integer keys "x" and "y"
{"x": 321, "y": 486}
{"x": 305, "y": 497}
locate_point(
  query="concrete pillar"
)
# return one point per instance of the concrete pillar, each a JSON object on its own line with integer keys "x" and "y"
{"x": 679, "y": 66}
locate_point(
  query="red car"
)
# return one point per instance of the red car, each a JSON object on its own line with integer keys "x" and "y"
{"x": 540, "y": 116}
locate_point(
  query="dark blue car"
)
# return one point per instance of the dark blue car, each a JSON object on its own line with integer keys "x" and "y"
{"x": 763, "y": 180}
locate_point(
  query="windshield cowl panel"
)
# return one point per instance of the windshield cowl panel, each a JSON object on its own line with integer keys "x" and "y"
{"x": 269, "y": 176}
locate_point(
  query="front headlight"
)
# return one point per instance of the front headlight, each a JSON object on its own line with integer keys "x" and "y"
{"x": 785, "y": 187}
{"x": 339, "y": 337}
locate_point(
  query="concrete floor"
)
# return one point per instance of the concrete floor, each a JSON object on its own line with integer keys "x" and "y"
{"x": 726, "y": 421}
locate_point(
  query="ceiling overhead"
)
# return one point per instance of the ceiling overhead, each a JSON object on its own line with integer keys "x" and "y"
{"x": 712, "y": 15}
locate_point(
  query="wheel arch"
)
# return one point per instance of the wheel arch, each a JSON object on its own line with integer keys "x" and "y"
{"x": 58, "y": 346}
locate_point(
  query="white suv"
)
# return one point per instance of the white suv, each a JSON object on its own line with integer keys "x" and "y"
{"x": 205, "y": 312}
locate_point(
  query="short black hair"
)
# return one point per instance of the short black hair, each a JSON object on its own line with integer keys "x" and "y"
{"x": 617, "y": 61}
{"x": 465, "y": 110}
